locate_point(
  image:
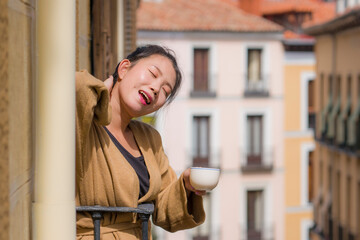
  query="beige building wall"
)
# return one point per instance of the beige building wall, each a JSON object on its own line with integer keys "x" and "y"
{"x": 298, "y": 142}
{"x": 4, "y": 122}
{"x": 17, "y": 78}
{"x": 83, "y": 35}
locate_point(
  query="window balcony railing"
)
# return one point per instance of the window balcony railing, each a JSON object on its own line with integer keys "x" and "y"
{"x": 260, "y": 162}
{"x": 262, "y": 233}
{"x": 257, "y": 88}
{"x": 207, "y": 91}
{"x": 211, "y": 160}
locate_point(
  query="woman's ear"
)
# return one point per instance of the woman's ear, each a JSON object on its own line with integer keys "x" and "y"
{"x": 124, "y": 66}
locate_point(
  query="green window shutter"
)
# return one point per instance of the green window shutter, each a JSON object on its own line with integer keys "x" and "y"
{"x": 341, "y": 123}
{"x": 352, "y": 122}
{"x": 324, "y": 114}
{"x": 331, "y": 119}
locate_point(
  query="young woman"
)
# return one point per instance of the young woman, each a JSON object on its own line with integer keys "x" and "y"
{"x": 121, "y": 161}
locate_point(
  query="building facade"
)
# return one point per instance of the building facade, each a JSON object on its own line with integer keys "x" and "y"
{"x": 299, "y": 114}
{"x": 228, "y": 114}
{"x": 337, "y": 107}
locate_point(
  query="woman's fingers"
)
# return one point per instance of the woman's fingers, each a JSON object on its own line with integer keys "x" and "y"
{"x": 109, "y": 84}
{"x": 188, "y": 184}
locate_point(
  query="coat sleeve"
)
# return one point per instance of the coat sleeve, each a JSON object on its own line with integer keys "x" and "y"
{"x": 92, "y": 104}
{"x": 173, "y": 209}
{"x": 92, "y": 101}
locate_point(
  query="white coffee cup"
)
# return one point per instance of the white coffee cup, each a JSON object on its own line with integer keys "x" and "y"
{"x": 204, "y": 178}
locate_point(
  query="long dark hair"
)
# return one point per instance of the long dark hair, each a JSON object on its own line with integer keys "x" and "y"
{"x": 149, "y": 50}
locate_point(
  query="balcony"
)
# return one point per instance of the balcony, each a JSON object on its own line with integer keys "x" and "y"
{"x": 257, "y": 88}
{"x": 204, "y": 90}
{"x": 257, "y": 163}
{"x": 210, "y": 160}
{"x": 263, "y": 233}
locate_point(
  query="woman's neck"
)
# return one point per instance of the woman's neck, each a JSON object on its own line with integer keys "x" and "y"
{"x": 119, "y": 120}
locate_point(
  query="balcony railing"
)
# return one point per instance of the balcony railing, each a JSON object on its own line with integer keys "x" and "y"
{"x": 262, "y": 162}
{"x": 258, "y": 88}
{"x": 212, "y": 160}
{"x": 263, "y": 233}
{"x": 210, "y": 92}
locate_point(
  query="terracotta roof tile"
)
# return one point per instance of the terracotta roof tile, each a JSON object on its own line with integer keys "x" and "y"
{"x": 199, "y": 15}
{"x": 321, "y": 11}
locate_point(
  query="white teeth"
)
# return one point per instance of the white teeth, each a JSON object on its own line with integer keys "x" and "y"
{"x": 147, "y": 100}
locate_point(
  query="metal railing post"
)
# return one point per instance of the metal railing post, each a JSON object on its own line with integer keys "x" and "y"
{"x": 96, "y": 216}
{"x": 144, "y": 210}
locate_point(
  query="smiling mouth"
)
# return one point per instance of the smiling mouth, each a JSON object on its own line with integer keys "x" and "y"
{"x": 145, "y": 97}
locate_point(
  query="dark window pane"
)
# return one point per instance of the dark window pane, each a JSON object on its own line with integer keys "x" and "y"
{"x": 201, "y": 62}
{"x": 255, "y": 214}
{"x": 201, "y": 141}
{"x": 254, "y": 140}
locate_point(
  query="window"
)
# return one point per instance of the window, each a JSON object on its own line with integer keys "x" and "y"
{"x": 254, "y": 130}
{"x": 255, "y": 214}
{"x": 201, "y": 70}
{"x": 254, "y": 65}
{"x": 311, "y": 105}
{"x": 202, "y": 232}
{"x": 347, "y": 113}
{"x": 336, "y": 108}
{"x": 201, "y": 141}
{"x": 310, "y": 176}
{"x": 255, "y": 82}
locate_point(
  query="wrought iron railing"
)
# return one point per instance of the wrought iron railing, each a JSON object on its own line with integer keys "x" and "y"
{"x": 143, "y": 210}
{"x": 263, "y": 233}
{"x": 259, "y": 87}
{"x": 263, "y": 161}
{"x": 210, "y": 92}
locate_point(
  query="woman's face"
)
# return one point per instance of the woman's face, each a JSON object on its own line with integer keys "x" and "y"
{"x": 145, "y": 85}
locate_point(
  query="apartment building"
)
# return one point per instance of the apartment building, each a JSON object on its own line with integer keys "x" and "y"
{"x": 337, "y": 107}
{"x": 299, "y": 115}
{"x": 228, "y": 114}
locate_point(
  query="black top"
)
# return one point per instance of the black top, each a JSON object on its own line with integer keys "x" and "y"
{"x": 138, "y": 163}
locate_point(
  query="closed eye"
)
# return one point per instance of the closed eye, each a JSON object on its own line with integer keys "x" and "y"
{"x": 167, "y": 92}
{"x": 152, "y": 73}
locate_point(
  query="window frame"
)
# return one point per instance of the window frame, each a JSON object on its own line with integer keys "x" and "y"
{"x": 212, "y": 70}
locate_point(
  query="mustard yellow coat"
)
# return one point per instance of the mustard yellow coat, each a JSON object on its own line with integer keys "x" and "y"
{"x": 104, "y": 177}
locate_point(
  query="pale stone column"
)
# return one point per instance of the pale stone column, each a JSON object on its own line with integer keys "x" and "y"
{"x": 54, "y": 197}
